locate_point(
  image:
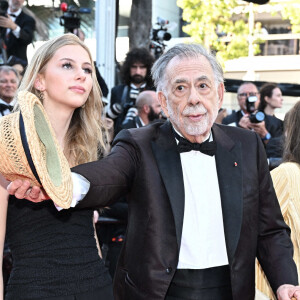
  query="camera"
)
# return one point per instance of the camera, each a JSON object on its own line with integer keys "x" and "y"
{"x": 158, "y": 36}
{"x": 255, "y": 117}
{"x": 71, "y": 16}
{"x": 3, "y": 8}
{"x": 114, "y": 111}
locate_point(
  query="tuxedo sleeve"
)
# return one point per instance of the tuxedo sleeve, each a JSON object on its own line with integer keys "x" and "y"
{"x": 111, "y": 177}
{"x": 274, "y": 249}
{"x": 27, "y": 30}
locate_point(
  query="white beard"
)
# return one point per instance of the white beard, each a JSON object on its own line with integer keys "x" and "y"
{"x": 192, "y": 128}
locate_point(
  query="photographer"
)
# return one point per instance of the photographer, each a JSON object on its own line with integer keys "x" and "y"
{"x": 18, "y": 30}
{"x": 136, "y": 76}
{"x": 249, "y": 118}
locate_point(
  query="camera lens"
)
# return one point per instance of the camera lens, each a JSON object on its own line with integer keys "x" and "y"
{"x": 114, "y": 111}
{"x": 257, "y": 117}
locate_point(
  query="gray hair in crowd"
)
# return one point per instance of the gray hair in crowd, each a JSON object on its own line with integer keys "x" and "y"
{"x": 7, "y": 69}
{"x": 184, "y": 51}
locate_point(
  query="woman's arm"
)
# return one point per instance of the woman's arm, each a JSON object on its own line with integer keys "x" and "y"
{"x": 3, "y": 212}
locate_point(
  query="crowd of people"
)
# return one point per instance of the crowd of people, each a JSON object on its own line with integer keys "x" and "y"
{"x": 201, "y": 216}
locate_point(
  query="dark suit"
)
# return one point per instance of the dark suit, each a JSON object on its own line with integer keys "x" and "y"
{"x": 18, "y": 46}
{"x": 145, "y": 163}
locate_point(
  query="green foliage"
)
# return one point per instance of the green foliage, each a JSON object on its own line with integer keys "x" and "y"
{"x": 214, "y": 24}
{"x": 292, "y": 13}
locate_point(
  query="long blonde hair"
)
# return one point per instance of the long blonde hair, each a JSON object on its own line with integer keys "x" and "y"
{"x": 85, "y": 138}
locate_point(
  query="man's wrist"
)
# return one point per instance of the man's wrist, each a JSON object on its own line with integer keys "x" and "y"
{"x": 267, "y": 136}
{"x": 14, "y": 26}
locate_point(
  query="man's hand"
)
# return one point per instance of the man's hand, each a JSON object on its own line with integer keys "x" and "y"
{"x": 259, "y": 128}
{"x": 245, "y": 122}
{"x": 288, "y": 291}
{"x": 21, "y": 189}
{"x": 7, "y": 22}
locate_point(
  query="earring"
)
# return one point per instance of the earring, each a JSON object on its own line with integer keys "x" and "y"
{"x": 40, "y": 95}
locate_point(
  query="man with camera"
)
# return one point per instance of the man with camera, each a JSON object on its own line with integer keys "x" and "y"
{"x": 247, "y": 117}
{"x": 19, "y": 28}
{"x": 136, "y": 76}
{"x": 148, "y": 109}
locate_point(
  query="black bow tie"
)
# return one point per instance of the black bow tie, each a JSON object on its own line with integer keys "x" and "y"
{"x": 13, "y": 15}
{"x": 208, "y": 148}
{"x": 4, "y": 107}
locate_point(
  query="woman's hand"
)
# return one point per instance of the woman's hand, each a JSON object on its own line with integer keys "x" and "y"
{"x": 21, "y": 189}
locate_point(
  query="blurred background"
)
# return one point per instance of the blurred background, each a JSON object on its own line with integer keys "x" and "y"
{"x": 255, "y": 41}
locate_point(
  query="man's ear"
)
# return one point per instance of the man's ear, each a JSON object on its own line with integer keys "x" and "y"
{"x": 39, "y": 83}
{"x": 221, "y": 90}
{"x": 146, "y": 108}
{"x": 163, "y": 102}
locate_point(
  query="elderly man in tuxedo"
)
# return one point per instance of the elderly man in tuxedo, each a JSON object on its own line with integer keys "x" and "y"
{"x": 19, "y": 30}
{"x": 201, "y": 202}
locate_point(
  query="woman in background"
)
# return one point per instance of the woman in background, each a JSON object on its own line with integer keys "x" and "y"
{"x": 270, "y": 99}
{"x": 286, "y": 180}
{"x": 55, "y": 253}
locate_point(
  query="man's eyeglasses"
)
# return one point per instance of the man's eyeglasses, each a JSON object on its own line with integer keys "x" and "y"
{"x": 247, "y": 94}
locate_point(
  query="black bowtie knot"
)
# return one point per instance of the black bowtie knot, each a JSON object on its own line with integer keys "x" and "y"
{"x": 208, "y": 148}
{"x": 4, "y": 107}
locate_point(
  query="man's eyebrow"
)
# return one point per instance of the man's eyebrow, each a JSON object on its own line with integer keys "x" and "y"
{"x": 184, "y": 80}
{"x": 203, "y": 77}
{"x": 180, "y": 80}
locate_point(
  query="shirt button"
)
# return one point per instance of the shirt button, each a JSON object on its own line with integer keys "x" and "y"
{"x": 169, "y": 270}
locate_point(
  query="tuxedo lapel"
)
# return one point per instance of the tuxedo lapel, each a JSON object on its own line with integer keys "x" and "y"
{"x": 229, "y": 169}
{"x": 169, "y": 165}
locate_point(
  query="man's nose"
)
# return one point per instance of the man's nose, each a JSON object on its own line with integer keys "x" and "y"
{"x": 139, "y": 70}
{"x": 194, "y": 97}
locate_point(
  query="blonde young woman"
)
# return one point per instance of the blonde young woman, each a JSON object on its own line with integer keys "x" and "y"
{"x": 286, "y": 180}
{"x": 55, "y": 254}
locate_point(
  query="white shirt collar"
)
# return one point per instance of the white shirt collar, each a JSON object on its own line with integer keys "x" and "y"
{"x": 135, "y": 87}
{"x": 209, "y": 136}
{"x": 16, "y": 13}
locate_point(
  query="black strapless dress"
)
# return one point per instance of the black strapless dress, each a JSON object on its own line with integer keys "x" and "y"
{"x": 54, "y": 252}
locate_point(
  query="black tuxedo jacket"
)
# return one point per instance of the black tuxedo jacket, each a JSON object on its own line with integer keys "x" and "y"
{"x": 145, "y": 164}
{"x": 18, "y": 47}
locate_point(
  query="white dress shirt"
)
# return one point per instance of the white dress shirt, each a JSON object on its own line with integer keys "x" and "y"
{"x": 203, "y": 239}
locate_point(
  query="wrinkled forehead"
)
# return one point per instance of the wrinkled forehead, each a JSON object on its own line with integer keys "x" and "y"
{"x": 8, "y": 74}
{"x": 179, "y": 65}
{"x": 248, "y": 88}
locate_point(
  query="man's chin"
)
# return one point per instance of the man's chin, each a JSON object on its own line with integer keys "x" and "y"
{"x": 137, "y": 79}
